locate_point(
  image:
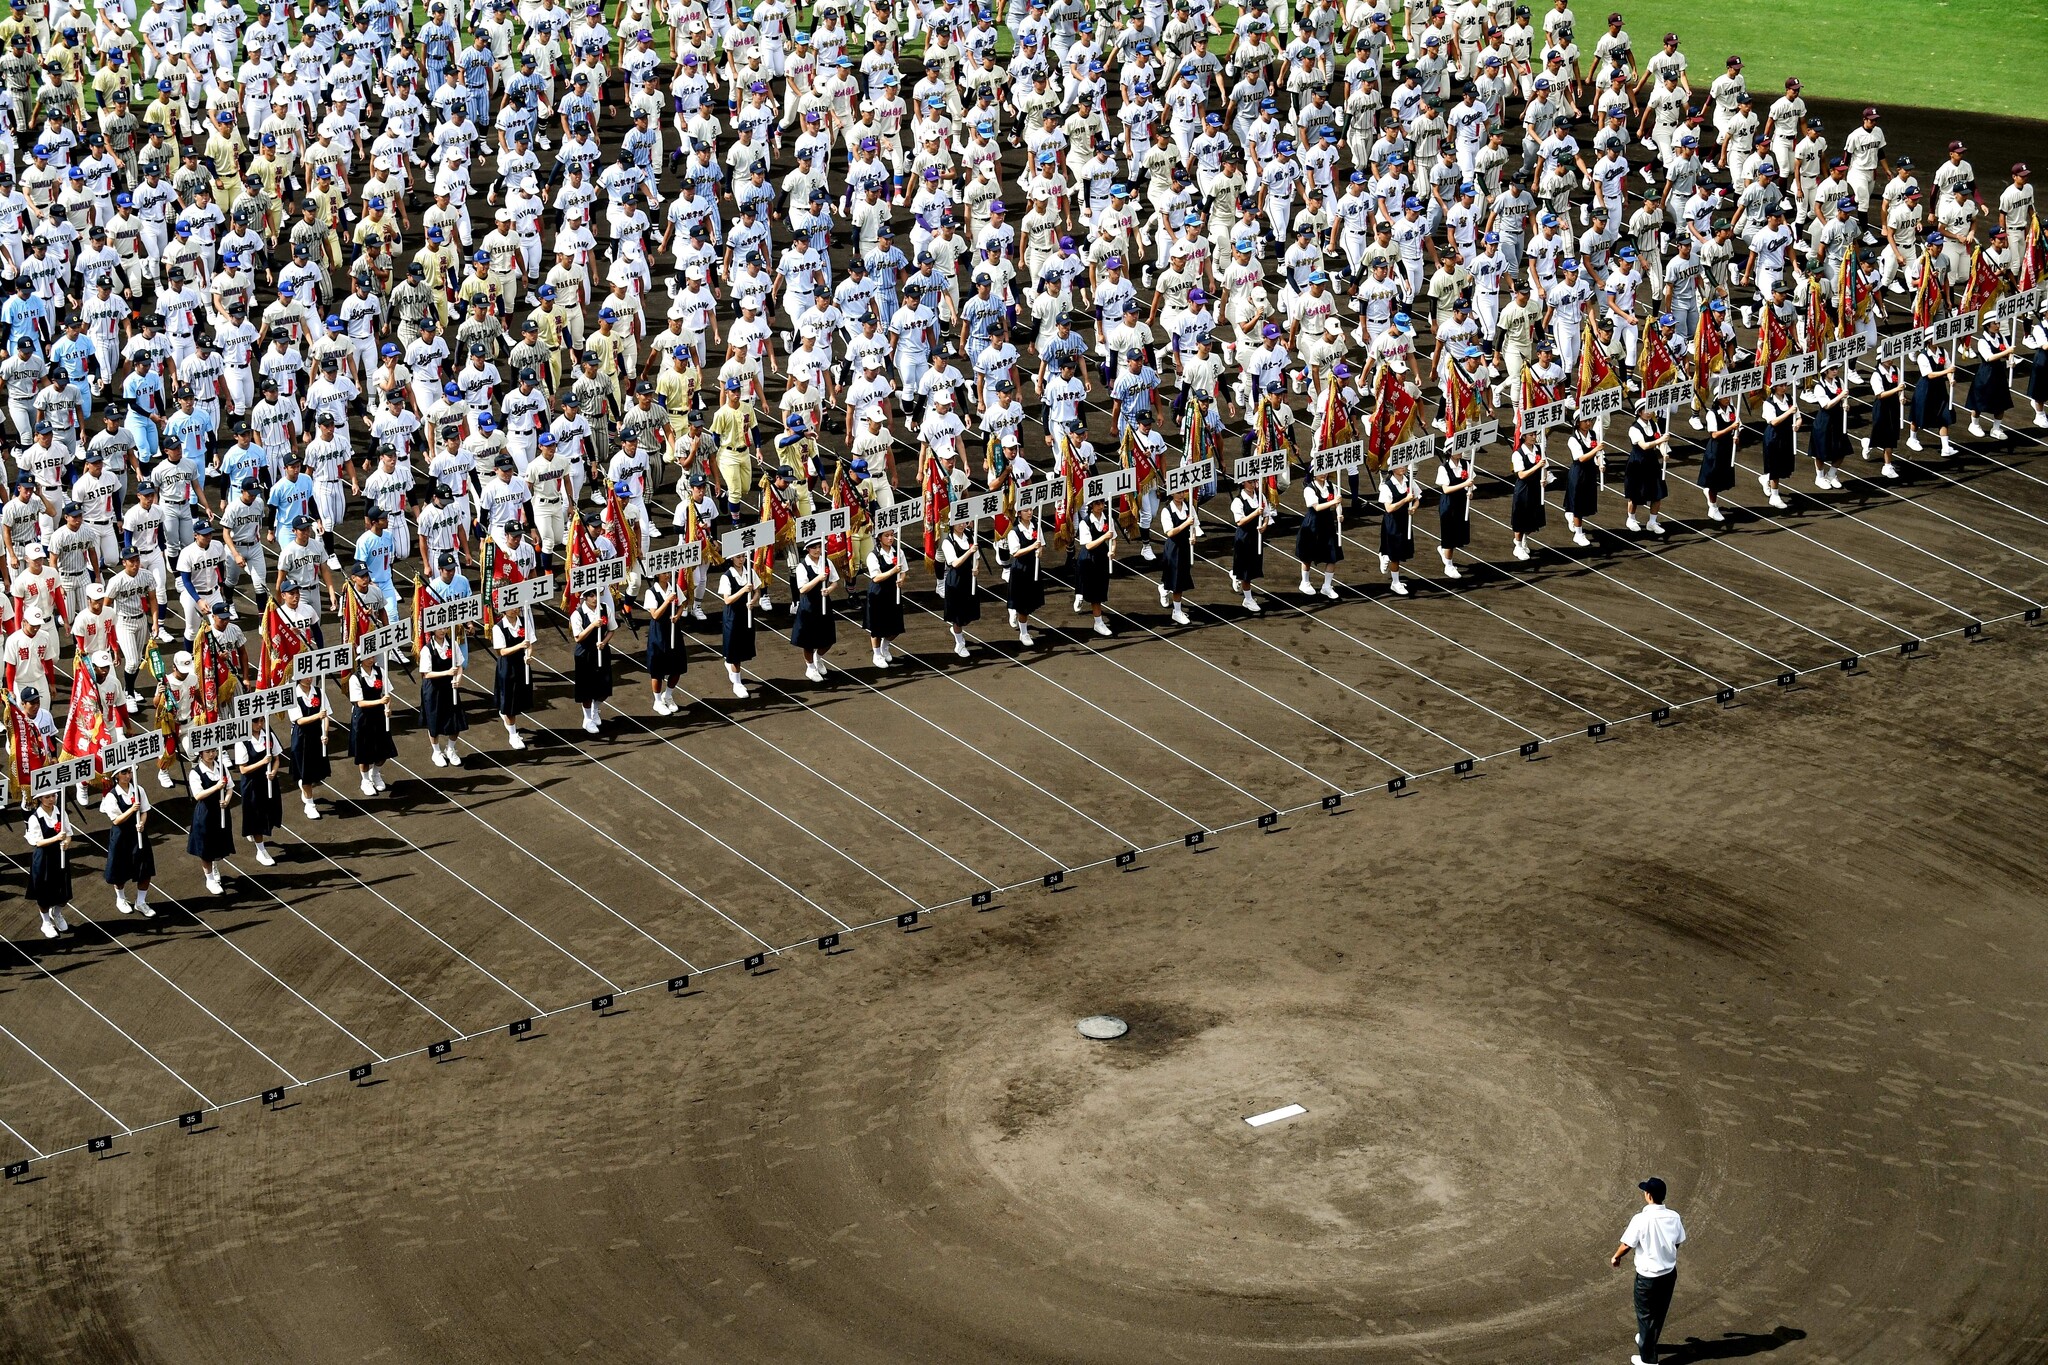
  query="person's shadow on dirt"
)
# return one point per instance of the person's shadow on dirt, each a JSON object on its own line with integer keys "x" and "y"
{"x": 1727, "y": 1346}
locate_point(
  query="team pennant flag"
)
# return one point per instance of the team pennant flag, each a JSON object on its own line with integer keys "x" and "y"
{"x": 1930, "y": 296}
{"x": 938, "y": 500}
{"x": 1710, "y": 357}
{"x": 87, "y": 726}
{"x": 1596, "y": 372}
{"x": 1334, "y": 426}
{"x": 1987, "y": 284}
{"x": 1393, "y": 419}
{"x": 278, "y": 642}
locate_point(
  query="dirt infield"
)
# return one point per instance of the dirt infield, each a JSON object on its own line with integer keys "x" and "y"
{"x": 1785, "y": 956}
{"x": 1779, "y": 951}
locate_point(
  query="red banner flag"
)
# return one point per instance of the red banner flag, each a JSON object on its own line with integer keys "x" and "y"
{"x": 582, "y": 549}
{"x": 1393, "y": 419}
{"x": 1659, "y": 368}
{"x": 26, "y": 748}
{"x": 86, "y": 724}
{"x": 2030, "y": 257}
{"x": 1930, "y": 296}
{"x": 1334, "y": 426}
{"x": 938, "y": 500}
{"x": 1534, "y": 395}
{"x": 1987, "y": 285}
{"x": 1709, "y": 358}
{"x": 1070, "y": 474}
{"x": 1596, "y": 373}
{"x": 278, "y": 643}
{"x": 218, "y": 669}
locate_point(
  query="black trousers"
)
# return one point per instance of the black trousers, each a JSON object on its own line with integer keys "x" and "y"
{"x": 1653, "y": 1301}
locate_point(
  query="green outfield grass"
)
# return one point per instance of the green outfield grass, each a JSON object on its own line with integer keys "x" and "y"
{"x": 1990, "y": 56}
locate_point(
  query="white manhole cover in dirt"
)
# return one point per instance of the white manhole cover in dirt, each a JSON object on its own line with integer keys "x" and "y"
{"x": 1103, "y": 1027}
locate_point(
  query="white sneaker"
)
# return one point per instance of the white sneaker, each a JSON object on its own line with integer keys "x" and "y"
{"x": 1998, "y": 431}
{"x": 1237, "y": 585}
{"x": 1396, "y": 586}
{"x": 121, "y": 905}
{"x": 454, "y": 759}
{"x": 1145, "y": 553}
{"x": 49, "y": 926}
{"x": 697, "y": 613}
{"x": 516, "y": 740}
{"x": 1164, "y": 599}
{"x": 1889, "y": 471}
{"x": 439, "y": 761}
{"x": 1763, "y": 481}
{"x": 960, "y": 645}
{"x": 2041, "y": 418}
{"x": 590, "y": 727}
{"x": 1451, "y": 570}
{"x": 369, "y": 787}
{"x": 1024, "y": 636}
{"x": 1580, "y": 539}
{"x": 58, "y": 916}
{"x": 1776, "y": 502}
{"x": 1013, "y": 619}
{"x": 1079, "y": 605}
{"x": 1521, "y": 551}
{"x": 1329, "y": 589}
{"x": 213, "y": 885}
{"x": 377, "y": 776}
{"x": 1820, "y": 480}
{"x": 142, "y": 908}
{"x": 1101, "y": 626}
{"x": 1631, "y": 524}
{"x": 1250, "y": 605}
{"x": 1976, "y": 428}
{"x": 1180, "y": 617}
{"x": 1385, "y": 564}
{"x": 263, "y": 855}
{"x": 1947, "y": 447}
{"x": 312, "y": 811}
{"x": 1305, "y": 588}
{"x": 1866, "y": 447}
{"x": 1654, "y": 527}
{"x": 739, "y": 689}
{"x": 163, "y": 779}
{"x": 1714, "y": 511}
{"x": 1913, "y": 441}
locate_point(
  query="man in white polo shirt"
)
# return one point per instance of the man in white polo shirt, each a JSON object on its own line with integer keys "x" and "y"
{"x": 1654, "y": 1235}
